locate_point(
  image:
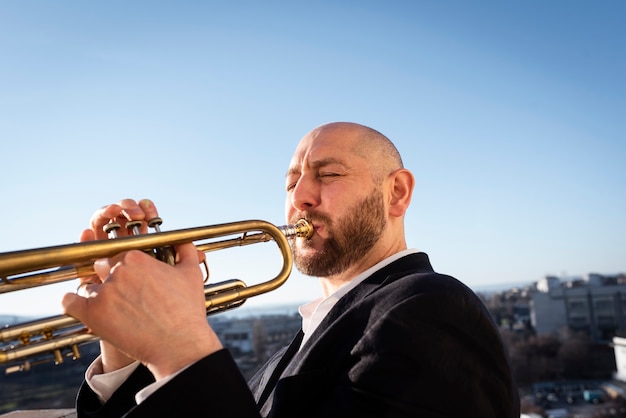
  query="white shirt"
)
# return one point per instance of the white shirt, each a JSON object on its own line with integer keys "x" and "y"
{"x": 314, "y": 312}
{"x": 104, "y": 384}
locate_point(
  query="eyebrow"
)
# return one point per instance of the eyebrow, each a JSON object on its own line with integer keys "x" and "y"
{"x": 315, "y": 164}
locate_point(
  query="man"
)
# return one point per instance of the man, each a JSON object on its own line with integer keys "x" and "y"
{"x": 389, "y": 337}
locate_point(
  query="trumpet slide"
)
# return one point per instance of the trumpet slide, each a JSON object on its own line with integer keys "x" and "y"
{"x": 56, "y": 337}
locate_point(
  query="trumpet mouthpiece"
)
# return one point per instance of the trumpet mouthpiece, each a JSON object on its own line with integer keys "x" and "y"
{"x": 301, "y": 229}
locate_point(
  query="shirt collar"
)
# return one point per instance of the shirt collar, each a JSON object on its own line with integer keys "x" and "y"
{"x": 313, "y": 312}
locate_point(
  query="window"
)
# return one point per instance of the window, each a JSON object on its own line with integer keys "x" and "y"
{"x": 578, "y": 312}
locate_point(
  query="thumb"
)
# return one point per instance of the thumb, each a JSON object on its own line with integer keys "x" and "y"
{"x": 201, "y": 256}
{"x": 189, "y": 258}
{"x": 187, "y": 254}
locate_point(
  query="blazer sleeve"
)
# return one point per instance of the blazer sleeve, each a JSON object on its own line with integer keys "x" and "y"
{"x": 88, "y": 404}
{"x": 212, "y": 387}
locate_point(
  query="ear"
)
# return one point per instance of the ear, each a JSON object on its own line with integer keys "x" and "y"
{"x": 401, "y": 183}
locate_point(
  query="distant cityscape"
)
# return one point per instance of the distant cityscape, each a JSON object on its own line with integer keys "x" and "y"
{"x": 587, "y": 312}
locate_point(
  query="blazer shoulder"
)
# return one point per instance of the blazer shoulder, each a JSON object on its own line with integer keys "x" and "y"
{"x": 413, "y": 274}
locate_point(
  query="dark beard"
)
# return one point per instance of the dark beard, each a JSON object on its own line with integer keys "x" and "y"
{"x": 349, "y": 238}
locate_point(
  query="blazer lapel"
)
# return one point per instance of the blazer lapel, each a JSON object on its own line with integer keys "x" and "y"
{"x": 302, "y": 371}
{"x": 263, "y": 383}
{"x": 416, "y": 262}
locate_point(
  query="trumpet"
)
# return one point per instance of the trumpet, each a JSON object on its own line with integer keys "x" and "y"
{"x": 56, "y": 337}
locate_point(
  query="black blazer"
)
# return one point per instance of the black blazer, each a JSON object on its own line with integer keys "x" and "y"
{"x": 406, "y": 342}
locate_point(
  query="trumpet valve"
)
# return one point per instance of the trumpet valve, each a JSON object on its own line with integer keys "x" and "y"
{"x": 111, "y": 229}
{"x": 133, "y": 226}
{"x": 155, "y": 223}
{"x": 165, "y": 254}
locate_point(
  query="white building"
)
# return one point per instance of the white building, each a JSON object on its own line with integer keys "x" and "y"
{"x": 619, "y": 345}
{"x": 595, "y": 304}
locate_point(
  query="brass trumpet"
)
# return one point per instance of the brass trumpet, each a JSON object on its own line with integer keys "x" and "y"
{"x": 56, "y": 337}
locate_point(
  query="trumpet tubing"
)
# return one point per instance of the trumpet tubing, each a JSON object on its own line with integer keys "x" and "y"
{"x": 59, "y": 336}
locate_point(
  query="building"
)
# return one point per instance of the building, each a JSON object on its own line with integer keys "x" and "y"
{"x": 266, "y": 333}
{"x": 619, "y": 345}
{"x": 594, "y": 304}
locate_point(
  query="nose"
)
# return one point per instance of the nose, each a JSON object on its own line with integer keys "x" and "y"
{"x": 305, "y": 194}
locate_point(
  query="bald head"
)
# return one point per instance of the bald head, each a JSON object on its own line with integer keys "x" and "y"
{"x": 348, "y": 179}
{"x": 367, "y": 143}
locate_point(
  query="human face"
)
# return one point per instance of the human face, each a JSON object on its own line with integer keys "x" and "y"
{"x": 348, "y": 239}
{"x": 332, "y": 187}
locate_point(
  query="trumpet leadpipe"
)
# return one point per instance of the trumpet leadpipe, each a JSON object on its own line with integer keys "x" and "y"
{"x": 48, "y": 265}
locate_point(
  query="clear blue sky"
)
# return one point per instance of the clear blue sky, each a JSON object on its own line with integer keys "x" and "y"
{"x": 511, "y": 115}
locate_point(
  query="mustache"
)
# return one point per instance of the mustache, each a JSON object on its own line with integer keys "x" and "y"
{"x": 311, "y": 216}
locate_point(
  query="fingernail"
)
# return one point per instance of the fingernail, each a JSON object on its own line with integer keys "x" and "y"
{"x": 145, "y": 203}
{"x": 101, "y": 267}
{"x": 132, "y": 213}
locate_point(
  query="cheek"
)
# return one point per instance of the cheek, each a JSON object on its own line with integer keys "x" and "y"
{"x": 335, "y": 199}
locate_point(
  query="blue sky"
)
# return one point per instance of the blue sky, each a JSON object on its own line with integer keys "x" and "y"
{"x": 510, "y": 114}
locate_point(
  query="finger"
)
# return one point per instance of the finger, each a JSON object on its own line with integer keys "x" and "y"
{"x": 90, "y": 279}
{"x": 186, "y": 254}
{"x": 188, "y": 257}
{"x": 204, "y": 267}
{"x": 123, "y": 211}
{"x": 141, "y": 210}
{"x": 103, "y": 216}
{"x": 102, "y": 268}
{"x": 132, "y": 211}
{"x": 87, "y": 235}
{"x": 88, "y": 289}
{"x": 75, "y": 306}
{"x": 148, "y": 208}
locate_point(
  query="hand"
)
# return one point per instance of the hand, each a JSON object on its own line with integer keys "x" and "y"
{"x": 112, "y": 359}
{"x": 142, "y": 308}
{"x": 121, "y": 212}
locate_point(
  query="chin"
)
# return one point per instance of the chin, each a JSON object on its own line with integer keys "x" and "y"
{"x": 308, "y": 248}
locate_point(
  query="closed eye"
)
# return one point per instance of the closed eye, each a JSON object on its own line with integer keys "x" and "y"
{"x": 328, "y": 175}
{"x": 291, "y": 181}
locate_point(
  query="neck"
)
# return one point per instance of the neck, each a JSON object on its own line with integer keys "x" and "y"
{"x": 330, "y": 284}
